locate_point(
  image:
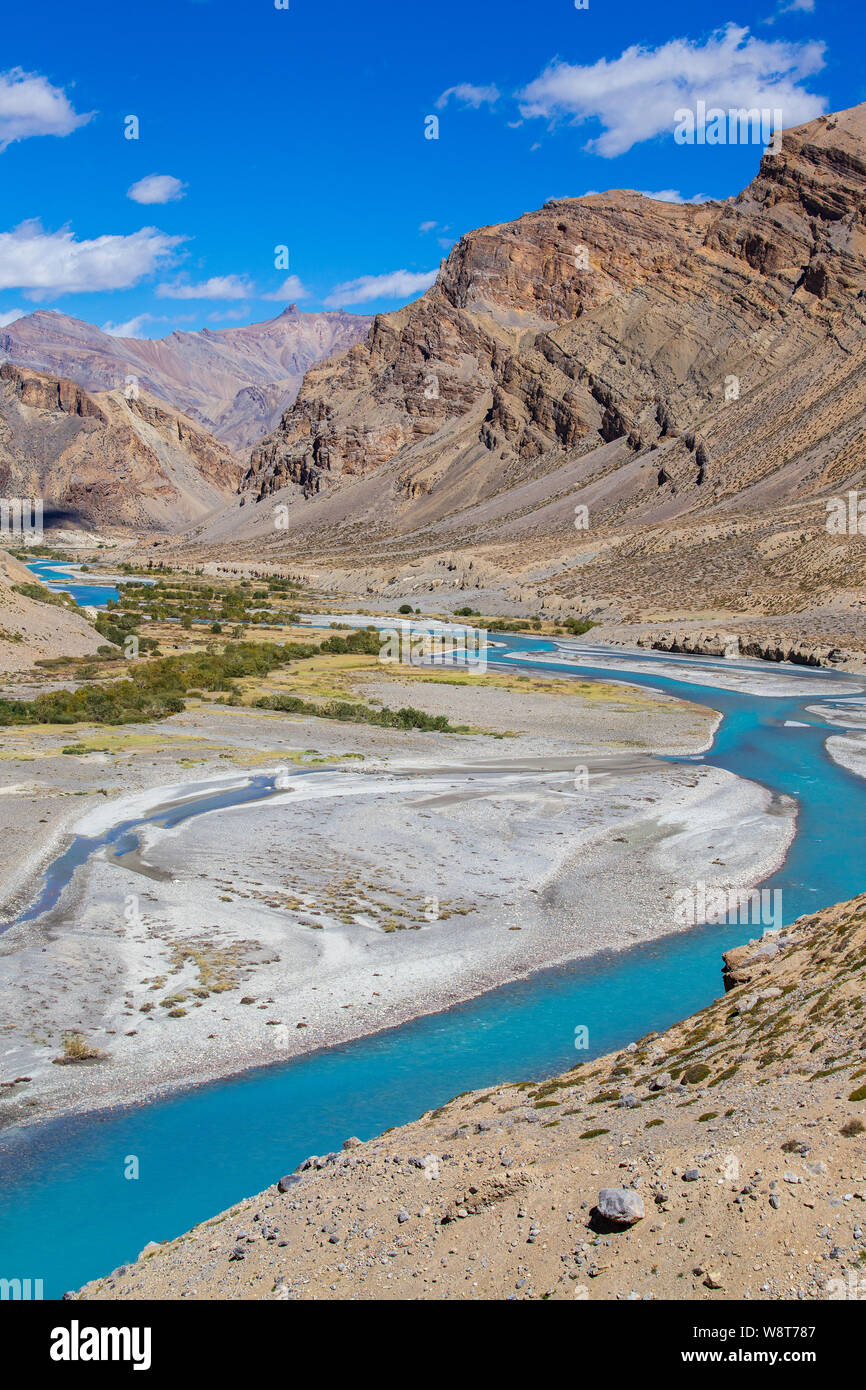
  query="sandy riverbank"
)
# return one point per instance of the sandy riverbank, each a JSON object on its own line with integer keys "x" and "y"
{"x": 747, "y": 677}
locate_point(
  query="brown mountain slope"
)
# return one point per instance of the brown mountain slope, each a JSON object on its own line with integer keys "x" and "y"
{"x": 105, "y": 461}
{"x": 691, "y": 374}
{"x": 31, "y": 629}
{"x": 236, "y": 381}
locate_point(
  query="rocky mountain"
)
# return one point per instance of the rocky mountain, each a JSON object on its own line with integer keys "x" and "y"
{"x": 106, "y": 462}
{"x": 613, "y": 403}
{"x": 235, "y": 381}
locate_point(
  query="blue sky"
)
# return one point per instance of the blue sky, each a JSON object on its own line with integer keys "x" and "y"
{"x": 305, "y": 128}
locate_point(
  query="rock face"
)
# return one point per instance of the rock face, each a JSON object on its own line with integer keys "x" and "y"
{"x": 235, "y": 381}
{"x": 105, "y": 461}
{"x": 743, "y": 964}
{"x": 620, "y": 1205}
{"x": 608, "y": 318}
{"x": 647, "y": 403}
{"x": 778, "y": 648}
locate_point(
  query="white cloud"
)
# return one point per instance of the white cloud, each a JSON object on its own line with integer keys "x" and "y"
{"x": 157, "y": 188}
{"x": 394, "y": 284}
{"x": 469, "y": 95}
{"x": 8, "y": 316}
{"x": 291, "y": 288}
{"x": 427, "y": 226}
{"x": 803, "y": 6}
{"x": 634, "y": 97}
{"x": 672, "y": 195}
{"x": 44, "y": 264}
{"x": 29, "y": 105}
{"x": 131, "y": 329}
{"x": 218, "y": 287}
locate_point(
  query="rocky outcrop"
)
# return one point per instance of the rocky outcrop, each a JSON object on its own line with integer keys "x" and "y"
{"x": 727, "y": 644}
{"x": 46, "y": 393}
{"x": 107, "y": 462}
{"x": 743, "y": 964}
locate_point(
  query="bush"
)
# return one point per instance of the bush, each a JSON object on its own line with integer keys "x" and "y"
{"x": 365, "y": 641}
{"x": 406, "y": 718}
{"x": 76, "y": 1049}
{"x": 43, "y": 595}
{"x": 699, "y": 1072}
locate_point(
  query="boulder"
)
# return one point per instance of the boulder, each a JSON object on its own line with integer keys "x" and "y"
{"x": 622, "y": 1206}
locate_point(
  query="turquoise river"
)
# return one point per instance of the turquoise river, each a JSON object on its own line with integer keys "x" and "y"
{"x": 67, "y": 1214}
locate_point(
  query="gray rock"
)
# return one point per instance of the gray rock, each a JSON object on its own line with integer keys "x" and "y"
{"x": 289, "y": 1181}
{"x": 620, "y": 1205}
{"x": 691, "y": 1175}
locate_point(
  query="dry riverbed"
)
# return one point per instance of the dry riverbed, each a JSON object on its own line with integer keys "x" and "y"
{"x": 401, "y": 872}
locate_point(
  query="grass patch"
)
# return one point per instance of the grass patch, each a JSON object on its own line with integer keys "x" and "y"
{"x": 77, "y": 1049}
{"x": 347, "y": 712}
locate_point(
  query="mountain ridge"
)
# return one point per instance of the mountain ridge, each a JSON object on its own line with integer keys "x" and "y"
{"x": 692, "y": 375}
{"x": 234, "y": 381}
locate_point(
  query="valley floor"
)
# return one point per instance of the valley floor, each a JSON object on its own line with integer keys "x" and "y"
{"x": 402, "y": 872}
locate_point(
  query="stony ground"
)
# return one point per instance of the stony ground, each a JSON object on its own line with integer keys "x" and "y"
{"x": 244, "y": 939}
{"x": 739, "y": 1133}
